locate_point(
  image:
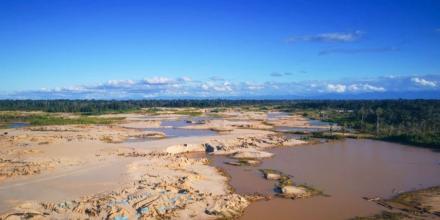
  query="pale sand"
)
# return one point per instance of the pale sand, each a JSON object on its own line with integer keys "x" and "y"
{"x": 73, "y": 167}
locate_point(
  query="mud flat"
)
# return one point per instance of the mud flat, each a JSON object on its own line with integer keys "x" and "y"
{"x": 348, "y": 171}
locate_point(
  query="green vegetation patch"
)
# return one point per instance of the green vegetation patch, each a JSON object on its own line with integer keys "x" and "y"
{"x": 54, "y": 120}
{"x": 422, "y": 139}
{"x": 412, "y": 122}
{"x": 48, "y": 119}
{"x": 327, "y": 135}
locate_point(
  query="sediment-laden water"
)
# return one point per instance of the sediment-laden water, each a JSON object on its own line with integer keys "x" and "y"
{"x": 346, "y": 170}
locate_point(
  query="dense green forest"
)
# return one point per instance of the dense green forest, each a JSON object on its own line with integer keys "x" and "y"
{"x": 414, "y": 122}
{"x": 408, "y": 121}
{"x": 108, "y": 106}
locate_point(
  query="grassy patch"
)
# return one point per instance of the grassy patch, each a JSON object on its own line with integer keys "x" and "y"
{"x": 327, "y": 136}
{"x": 47, "y": 119}
{"x": 51, "y": 120}
{"x": 305, "y": 138}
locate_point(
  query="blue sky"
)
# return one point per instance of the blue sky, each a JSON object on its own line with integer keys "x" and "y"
{"x": 206, "y": 48}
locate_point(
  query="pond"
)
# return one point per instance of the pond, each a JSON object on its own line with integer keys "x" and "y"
{"x": 346, "y": 170}
{"x": 176, "y": 128}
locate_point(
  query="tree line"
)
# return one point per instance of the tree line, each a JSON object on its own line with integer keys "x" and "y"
{"x": 409, "y": 121}
{"x": 104, "y": 106}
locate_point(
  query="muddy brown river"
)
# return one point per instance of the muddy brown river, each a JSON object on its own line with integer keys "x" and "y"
{"x": 346, "y": 170}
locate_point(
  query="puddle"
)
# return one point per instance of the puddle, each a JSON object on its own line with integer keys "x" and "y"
{"x": 183, "y": 132}
{"x": 314, "y": 122}
{"x": 346, "y": 170}
{"x": 176, "y": 128}
{"x": 174, "y": 123}
{"x": 18, "y": 125}
{"x": 184, "y": 122}
{"x": 276, "y": 115}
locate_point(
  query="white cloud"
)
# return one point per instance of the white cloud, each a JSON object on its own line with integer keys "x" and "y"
{"x": 365, "y": 88}
{"x": 338, "y": 88}
{"x": 253, "y": 86}
{"x": 329, "y": 37}
{"x": 120, "y": 82}
{"x": 344, "y": 37}
{"x": 205, "y": 86}
{"x": 217, "y": 87}
{"x": 354, "y": 88}
{"x": 423, "y": 82}
{"x": 225, "y": 87}
{"x": 158, "y": 80}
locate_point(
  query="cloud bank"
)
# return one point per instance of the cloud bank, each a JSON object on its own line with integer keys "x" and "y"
{"x": 217, "y": 87}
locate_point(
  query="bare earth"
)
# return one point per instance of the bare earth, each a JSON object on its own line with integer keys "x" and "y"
{"x": 93, "y": 171}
